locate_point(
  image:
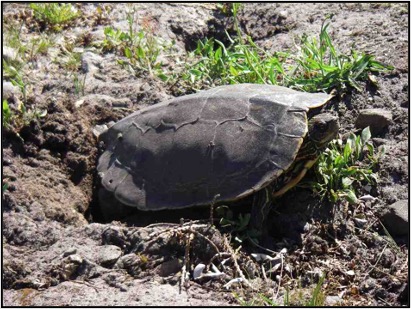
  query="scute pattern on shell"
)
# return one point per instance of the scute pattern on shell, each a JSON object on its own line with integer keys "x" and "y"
{"x": 230, "y": 140}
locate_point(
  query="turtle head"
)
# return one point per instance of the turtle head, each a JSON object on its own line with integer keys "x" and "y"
{"x": 322, "y": 129}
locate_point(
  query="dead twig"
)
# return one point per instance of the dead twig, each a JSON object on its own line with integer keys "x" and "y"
{"x": 212, "y": 208}
{"x": 237, "y": 267}
{"x": 261, "y": 247}
{"x": 281, "y": 275}
{"x": 378, "y": 259}
{"x": 186, "y": 264}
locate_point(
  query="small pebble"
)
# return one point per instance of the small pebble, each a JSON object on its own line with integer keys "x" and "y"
{"x": 350, "y": 273}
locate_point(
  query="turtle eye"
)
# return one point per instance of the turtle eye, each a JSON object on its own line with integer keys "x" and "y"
{"x": 322, "y": 126}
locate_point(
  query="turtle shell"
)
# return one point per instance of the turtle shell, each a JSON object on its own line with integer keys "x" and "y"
{"x": 223, "y": 143}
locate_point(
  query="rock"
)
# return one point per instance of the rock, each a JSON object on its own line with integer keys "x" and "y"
{"x": 90, "y": 62}
{"x": 332, "y": 300}
{"x": 106, "y": 100}
{"x": 376, "y": 118}
{"x": 367, "y": 285}
{"x": 10, "y": 91}
{"x": 78, "y": 103}
{"x": 283, "y": 14}
{"x": 108, "y": 255}
{"x": 169, "y": 268}
{"x": 98, "y": 129}
{"x": 69, "y": 252}
{"x": 10, "y": 54}
{"x": 132, "y": 263}
{"x": 395, "y": 219}
{"x": 75, "y": 258}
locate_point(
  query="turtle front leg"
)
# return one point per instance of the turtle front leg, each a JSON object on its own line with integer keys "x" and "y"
{"x": 294, "y": 181}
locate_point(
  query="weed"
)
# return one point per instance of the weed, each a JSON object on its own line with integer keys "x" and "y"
{"x": 79, "y": 84}
{"x": 69, "y": 59}
{"x": 229, "y": 8}
{"x": 342, "y": 168}
{"x": 6, "y": 115}
{"x": 39, "y": 46}
{"x": 239, "y": 226}
{"x": 12, "y": 36}
{"x": 15, "y": 75}
{"x": 102, "y": 14}
{"x": 212, "y": 63}
{"x": 19, "y": 117}
{"x": 141, "y": 48}
{"x": 268, "y": 301}
{"x": 254, "y": 302}
{"x": 113, "y": 39}
{"x": 4, "y": 187}
{"x": 316, "y": 299}
{"x": 25, "y": 53}
{"x": 320, "y": 67}
{"x": 54, "y": 15}
{"x": 217, "y": 64}
{"x": 232, "y": 9}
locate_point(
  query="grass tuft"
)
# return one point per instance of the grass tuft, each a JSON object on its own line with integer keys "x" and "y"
{"x": 320, "y": 67}
{"x": 141, "y": 49}
{"x": 54, "y": 16}
{"x": 317, "y": 67}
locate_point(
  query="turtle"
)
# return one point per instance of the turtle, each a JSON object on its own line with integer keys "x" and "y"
{"x": 217, "y": 145}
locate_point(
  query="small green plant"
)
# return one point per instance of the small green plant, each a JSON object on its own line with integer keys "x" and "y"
{"x": 217, "y": 64}
{"x": 79, "y": 84}
{"x": 23, "y": 55}
{"x": 342, "y": 168}
{"x": 6, "y": 114}
{"x": 39, "y": 46}
{"x": 297, "y": 299}
{"x": 141, "y": 48}
{"x": 239, "y": 226}
{"x": 69, "y": 58}
{"x": 254, "y": 302}
{"x": 320, "y": 67}
{"x": 54, "y": 15}
{"x": 4, "y": 187}
{"x": 19, "y": 117}
{"x": 14, "y": 73}
{"x": 12, "y": 36}
{"x": 242, "y": 61}
{"x": 318, "y": 297}
{"x": 114, "y": 39}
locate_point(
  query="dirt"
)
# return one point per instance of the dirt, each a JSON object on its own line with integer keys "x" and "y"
{"x": 57, "y": 250}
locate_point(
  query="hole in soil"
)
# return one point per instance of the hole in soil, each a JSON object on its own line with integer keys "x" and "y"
{"x": 137, "y": 217}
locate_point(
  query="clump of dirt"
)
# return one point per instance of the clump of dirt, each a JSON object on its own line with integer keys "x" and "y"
{"x": 55, "y": 251}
